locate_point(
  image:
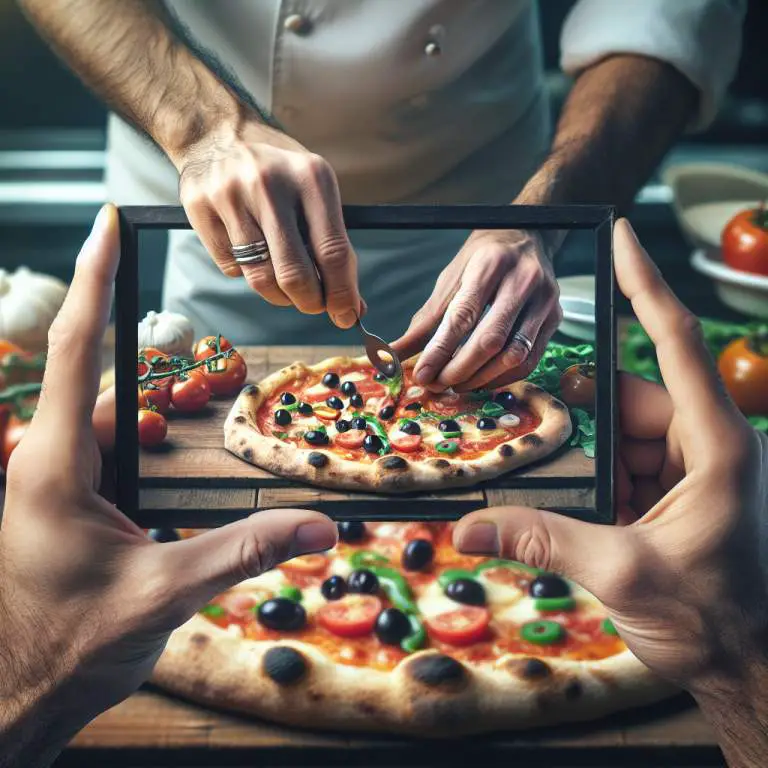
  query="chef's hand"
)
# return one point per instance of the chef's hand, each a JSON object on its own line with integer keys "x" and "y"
{"x": 87, "y": 600}
{"x": 511, "y": 273}
{"x": 685, "y": 578}
{"x": 253, "y": 183}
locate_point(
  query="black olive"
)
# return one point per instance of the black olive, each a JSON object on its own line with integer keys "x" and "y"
{"x": 466, "y": 591}
{"x": 351, "y": 531}
{"x": 387, "y": 412}
{"x": 280, "y": 613}
{"x": 334, "y": 402}
{"x": 331, "y": 380}
{"x": 418, "y": 554}
{"x": 372, "y": 444}
{"x": 342, "y": 425}
{"x": 348, "y": 388}
{"x": 359, "y": 423}
{"x": 449, "y": 425}
{"x": 163, "y": 534}
{"x": 549, "y": 585}
{"x": 410, "y": 428}
{"x": 506, "y": 399}
{"x": 486, "y": 423}
{"x": 356, "y": 401}
{"x": 334, "y": 588}
{"x": 392, "y": 626}
{"x": 379, "y": 377}
{"x": 305, "y": 409}
{"x": 413, "y": 407}
{"x": 282, "y": 417}
{"x": 316, "y": 437}
{"x": 363, "y": 582}
{"x": 287, "y": 398}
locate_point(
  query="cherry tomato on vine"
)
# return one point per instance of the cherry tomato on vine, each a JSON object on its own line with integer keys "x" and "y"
{"x": 152, "y": 428}
{"x": 190, "y": 393}
{"x": 577, "y": 386}
{"x": 206, "y": 347}
{"x": 156, "y": 396}
{"x": 743, "y": 364}
{"x": 228, "y": 374}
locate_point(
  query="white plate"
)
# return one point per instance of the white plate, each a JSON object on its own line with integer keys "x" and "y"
{"x": 741, "y": 291}
{"x": 577, "y": 299}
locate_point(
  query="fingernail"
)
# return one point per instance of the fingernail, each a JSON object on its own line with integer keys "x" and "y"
{"x": 631, "y": 231}
{"x": 480, "y": 539}
{"x": 314, "y": 537}
{"x": 424, "y": 375}
{"x": 100, "y": 225}
{"x": 346, "y": 319}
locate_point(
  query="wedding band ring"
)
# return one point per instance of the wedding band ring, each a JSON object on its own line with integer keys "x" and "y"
{"x": 523, "y": 339}
{"x": 251, "y": 253}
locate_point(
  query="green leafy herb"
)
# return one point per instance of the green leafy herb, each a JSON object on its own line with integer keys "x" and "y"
{"x": 556, "y": 358}
{"x": 394, "y": 385}
{"x": 378, "y": 428}
{"x": 490, "y": 408}
{"x": 279, "y": 435}
{"x": 583, "y": 431}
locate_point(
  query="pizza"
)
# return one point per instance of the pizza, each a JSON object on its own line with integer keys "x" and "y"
{"x": 342, "y": 424}
{"x": 394, "y": 630}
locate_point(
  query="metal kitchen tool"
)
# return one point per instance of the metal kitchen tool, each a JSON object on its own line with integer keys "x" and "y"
{"x": 388, "y": 364}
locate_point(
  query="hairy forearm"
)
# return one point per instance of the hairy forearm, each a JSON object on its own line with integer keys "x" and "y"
{"x": 619, "y": 120}
{"x": 128, "y": 55}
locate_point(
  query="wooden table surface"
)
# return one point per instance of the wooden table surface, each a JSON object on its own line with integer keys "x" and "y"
{"x": 192, "y": 470}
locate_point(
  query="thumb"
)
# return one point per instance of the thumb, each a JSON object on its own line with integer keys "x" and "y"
{"x": 197, "y": 569}
{"x": 588, "y": 553}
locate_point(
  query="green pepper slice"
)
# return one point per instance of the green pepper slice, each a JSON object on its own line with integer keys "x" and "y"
{"x": 451, "y": 434}
{"x": 396, "y": 589}
{"x": 447, "y": 446}
{"x": 378, "y": 428}
{"x": 507, "y": 564}
{"x": 542, "y": 632}
{"x": 418, "y": 637}
{"x": 607, "y": 626}
{"x": 291, "y": 592}
{"x": 552, "y": 604}
{"x": 212, "y": 610}
{"x": 453, "y": 574}
{"x": 364, "y": 558}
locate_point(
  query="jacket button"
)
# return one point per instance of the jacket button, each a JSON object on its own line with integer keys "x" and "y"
{"x": 432, "y": 49}
{"x": 297, "y": 24}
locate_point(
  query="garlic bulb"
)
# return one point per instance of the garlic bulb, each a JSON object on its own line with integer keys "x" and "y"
{"x": 168, "y": 332}
{"x": 29, "y": 302}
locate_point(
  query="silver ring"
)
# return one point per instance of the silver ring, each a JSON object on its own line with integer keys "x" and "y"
{"x": 251, "y": 253}
{"x": 257, "y": 258}
{"x": 523, "y": 339}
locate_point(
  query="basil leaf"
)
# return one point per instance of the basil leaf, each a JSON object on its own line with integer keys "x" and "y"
{"x": 584, "y": 432}
{"x": 490, "y": 408}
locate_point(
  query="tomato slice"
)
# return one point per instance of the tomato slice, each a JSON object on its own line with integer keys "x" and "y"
{"x": 353, "y": 616}
{"x": 354, "y": 438}
{"x": 464, "y": 626}
{"x": 503, "y": 575}
{"x": 369, "y": 387}
{"x": 315, "y": 397}
{"x": 314, "y": 563}
{"x": 405, "y": 443}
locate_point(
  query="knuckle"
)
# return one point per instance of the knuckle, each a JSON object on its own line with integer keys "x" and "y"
{"x": 224, "y": 193}
{"x": 253, "y": 556}
{"x": 334, "y": 252}
{"x": 316, "y": 168}
{"x": 691, "y": 325}
{"x": 463, "y": 316}
{"x": 493, "y": 341}
{"x": 293, "y": 278}
{"x": 534, "y": 547}
{"x": 261, "y": 280}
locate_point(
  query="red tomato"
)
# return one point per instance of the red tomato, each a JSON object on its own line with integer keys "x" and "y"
{"x": 316, "y": 397}
{"x": 744, "y": 241}
{"x": 206, "y": 347}
{"x": 228, "y": 374}
{"x": 743, "y": 365}
{"x": 153, "y": 396}
{"x": 368, "y": 387}
{"x": 190, "y": 394}
{"x": 353, "y": 616}
{"x": 14, "y": 431}
{"x": 461, "y": 627}
{"x": 353, "y": 438}
{"x": 314, "y": 563}
{"x": 405, "y": 443}
{"x": 152, "y": 428}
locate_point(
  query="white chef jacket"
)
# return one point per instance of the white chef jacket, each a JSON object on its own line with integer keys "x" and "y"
{"x": 411, "y": 101}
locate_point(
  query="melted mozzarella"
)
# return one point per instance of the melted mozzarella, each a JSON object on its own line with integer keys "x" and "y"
{"x": 520, "y": 612}
{"x": 434, "y": 602}
{"x": 355, "y": 376}
{"x": 318, "y": 389}
{"x": 500, "y": 594}
{"x": 312, "y": 599}
{"x": 341, "y": 567}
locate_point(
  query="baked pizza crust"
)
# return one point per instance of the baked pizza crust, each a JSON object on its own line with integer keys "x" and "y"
{"x": 427, "y": 694}
{"x": 393, "y": 473}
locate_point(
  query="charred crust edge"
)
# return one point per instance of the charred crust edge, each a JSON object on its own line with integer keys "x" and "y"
{"x": 239, "y": 419}
{"x": 534, "y": 669}
{"x": 437, "y": 670}
{"x": 317, "y": 460}
{"x": 250, "y": 390}
{"x": 284, "y": 665}
{"x": 532, "y": 439}
{"x": 248, "y": 454}
{"x": 506, "y": 450}
{"x": 394, "y": 462}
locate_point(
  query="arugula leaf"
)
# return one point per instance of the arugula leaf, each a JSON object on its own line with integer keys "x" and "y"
{"x": 394, "y": 386}
{"x": 556, "y": 358}
{"x": 378, "y": 428}
{"x": 584, "y": 432}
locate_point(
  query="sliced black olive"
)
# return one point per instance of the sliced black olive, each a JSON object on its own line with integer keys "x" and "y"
{"x": 342, "y": 425}
{"x": 418, "y": 554}
{"x": 379, "y": 377}
{"x": 287, "y": 398}
{"x": 163, "y": 534}
{"x": 449, "y": 425}
{"x": 282, "y": 417}
{"x": 392, "y": 626}
{"x": 280, "y": 613}
{"x": 505, "y": 399}
{"x": 335, "y": 402}
{"x": 305, "y": 409}
{"x": 351, "y": 531}
{"x": 333, "y": 588}
{"x": 413, "y": 407}
{"x": 356, "y": 401}
{"x": 372, "y": 444}
{"x": 331, "y": 380}
{"x": 348, "y": 388}
{"x": 316, "y": 437}
{"x": 466, "y": 591}
{"x": 387, "y": 412}
{"x": 363, "y": 582}
{"x": 359, "y": 423}
{"x": 549, "y": 585}
{"x": 410, "y": 428}
{"x": 486, "y": 423}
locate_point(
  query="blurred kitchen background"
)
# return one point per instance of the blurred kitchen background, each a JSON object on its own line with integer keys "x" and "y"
{"x": 52, "y": 139}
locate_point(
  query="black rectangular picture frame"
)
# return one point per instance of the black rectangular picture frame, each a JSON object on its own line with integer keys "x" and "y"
{"x": 596, "y": 218}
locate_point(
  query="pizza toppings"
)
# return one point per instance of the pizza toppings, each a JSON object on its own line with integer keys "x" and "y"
{"x": 463, "y": 626}
{"x": 486, "y": 423}
{"x": 410, "y": 427}
{"x": 353, "y": 616}
{"x": 282, "y": 614}
{"x": 335, "y": 403}
{"x": 418, "y": 554}
{"x": 331, "y": 380}
{"x": 506, "y": 400}
{"x": 373, "y": 444}
{"x": 351, "y": 531}
{"x": 316, "y": 437}
{"x": 467, "y": 591}
{"x": 334, "y": 588}
{"x": 305, "y": 409}
{"x": 363, "y": 581}
{"x": 392, "y": 626}
{"x": 542, "y": 632}
{"x": 447, "y": 446}
{"x": 351, "y": 439}
{"x": 549, "y": 585}
{"x": 405, "y": 442}
{"x": 450, "y": 428}
{"x": 356, "y": 401}
{"x": 288, "y": 399}
{"x": 509, "y": 421}
{"x": 282, "y": 417}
